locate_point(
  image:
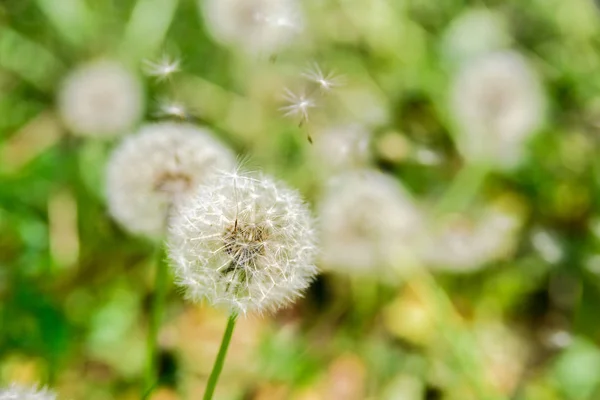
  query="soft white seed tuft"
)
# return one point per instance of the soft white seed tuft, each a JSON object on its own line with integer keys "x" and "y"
{"x": 152, "y": 170}
{"x": 466, "y": 243}
{"x": 257, "y": 27}
{"x": 498, "y": 104}
{"x": 243, "y": 242}
{"x": 341, "y": 147}
{"x": 20, "y": 392}
{"x": 101, "y": 99}
{"x": 368, "y": 224}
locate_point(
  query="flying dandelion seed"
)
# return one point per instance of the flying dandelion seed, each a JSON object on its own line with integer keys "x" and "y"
{"x": 326, "y": 81}
{"x": 101, "y": 99}
{"x": 171, "y": 108}
{"x": 153, "y": 170}
{"x": 19, "y": 392}
{"x": 298, "y": 105}
{"x": 162, "y": 69}
{"x": 244, "y": 242}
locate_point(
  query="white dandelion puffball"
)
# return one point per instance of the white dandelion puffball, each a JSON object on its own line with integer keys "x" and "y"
{"x": 244, "y": 242}
{"x": 342, "y": 147}
{"x": 152, "y": 170}
{"x": 498, "y": 104}
{"x": 19, "y": 392}
{"x": 101, "y": 99}
{"x": 367, "y": 222}
{"x": 258, "y": 27}
{"x": 472, "y": 33}
{"x": 463, "y": 243}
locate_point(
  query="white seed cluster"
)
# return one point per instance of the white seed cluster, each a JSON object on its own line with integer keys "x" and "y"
{"x": 368, "y": 223}
{"x": 498, "y": 104}
{"x": 243, "y": 242}
{"x": 101, "y": 99}
{"x": 154, "y": 169}
{"x": 20, "y": 392}
{"x": 257, "y": 27}
{"x": 342, "y": 147}
{"x": 465, "y": 243}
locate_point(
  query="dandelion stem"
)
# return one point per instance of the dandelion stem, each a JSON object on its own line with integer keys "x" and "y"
{"x": 218, "y": 365}
{"x": 158, "y": 302}
{"x": 463, "y": 188}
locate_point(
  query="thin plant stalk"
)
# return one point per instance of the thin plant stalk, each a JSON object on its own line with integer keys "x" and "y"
{"x": 463, "y": 188}
{"x": 218, "y": 365}
{"x": 156, "y": 315}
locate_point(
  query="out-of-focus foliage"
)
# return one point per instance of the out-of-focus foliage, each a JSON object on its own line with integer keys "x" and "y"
{"x": 517, "y": 319}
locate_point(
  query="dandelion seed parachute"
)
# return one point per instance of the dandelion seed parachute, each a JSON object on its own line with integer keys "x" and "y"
{"x": 498, "y": 104}
{"x": 368, "y": 224}
{"x": 101, "y": 99}
{"x": 257, "y": 27}
{"x": 20, "y": 392}
{"x": 243, "y": 242}
{"x": 154, "y": 169}
{"x": 298, "y": 105}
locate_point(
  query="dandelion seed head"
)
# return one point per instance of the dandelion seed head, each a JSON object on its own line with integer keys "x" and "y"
{"x": 162, "y": 69}
{"x": 498, "y": 104}
{"x": 100, "y": 99}
{"x": 473, "y": 33}
{"x": 367, "y": 224}
{"x": 20, "y": 392}
{"x": 342, "y": 147}
{"x": 466, "y": 243}
{"x": 243, "y": 242}
{"x": 153, "y": 170}
{"x": 298, "y": 105}
{"x": 258, "y": 27}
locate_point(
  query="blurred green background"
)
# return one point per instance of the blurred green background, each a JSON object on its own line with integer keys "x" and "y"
{"x": 75, "y": 289}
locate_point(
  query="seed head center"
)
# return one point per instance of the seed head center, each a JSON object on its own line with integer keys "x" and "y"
{"x": 244, "y": 242}
{"x": 173, "y": 182}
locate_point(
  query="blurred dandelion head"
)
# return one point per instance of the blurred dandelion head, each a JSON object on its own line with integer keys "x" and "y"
{"x": 101, "y": 99}
{"x": 257, "y": 27}
{"x": 463, "y": 243}
{"x": 19, "y": 392}
{"x": 498, "y": 103}
{"x": 343, "y": 147}
{"x": 473, "y": 33}
{"x": 150, "y": 171}
{"x": 245, "y": 242}
{"x": 367, "y": 223}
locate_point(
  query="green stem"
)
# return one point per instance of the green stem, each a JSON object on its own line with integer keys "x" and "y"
{"x": 218, "y": 365}
{"x": 158, "y": 303}
{"x": 463, "y": 188}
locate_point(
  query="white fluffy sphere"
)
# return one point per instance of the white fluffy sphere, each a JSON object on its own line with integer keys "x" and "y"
{"x": 257, "y": 27}
{"x": 368, "y": 223}
{"x": 101, "y": 99}
{"x": 244, "y": 242}
{"x": 466, "y": 243}
{"x": 20, "y": 392}
{"x": 342, "y": 147}
{"x": 498, "y": 103}
{"x": 152, "y": 170}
